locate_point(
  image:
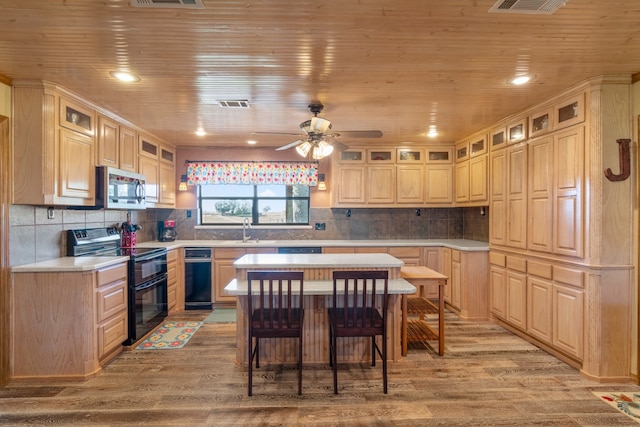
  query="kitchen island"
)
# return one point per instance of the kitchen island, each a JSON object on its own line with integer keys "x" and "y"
{"x": 318, "y": 289}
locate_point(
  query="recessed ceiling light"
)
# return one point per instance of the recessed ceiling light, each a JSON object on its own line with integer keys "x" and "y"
{"x": 201, "y": 132}
{"x": 433, "y": 132}
{"x": 125, "y": 76}
{"x": 520, "y": 80}
{"x": 252, "y": 142}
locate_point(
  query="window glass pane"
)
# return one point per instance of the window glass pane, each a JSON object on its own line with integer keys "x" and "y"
{"x": 223, "y": 211}
{"x": 226, "y": 190}
{"x": 283, "y": 211}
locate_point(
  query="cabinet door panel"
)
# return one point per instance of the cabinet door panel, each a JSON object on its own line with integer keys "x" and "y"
{"x": 410, "y": 184}
{"x": 498, "y": 218}
{"x": 128, "y": 149}
{"x": 568, "y": 320}
{"x": 517, "y": 197}
{"x": 167, "y": 184}
{"x": 462, "y": 182}
{"x": 439, "y": 184}
{"x": 380, "y": 184}
{"x": 540, "y": 183}
{"x": 351, "y": 185}
{"x": 517, "y": 299}
{"x": 539, "y": 309}
{"x": 149, "y": 167}
{"x": 77, "y": 166}
{"x": 569, "y": 174}
{"x": 108, "y": 142}
{"x": 478, "y": 178}
{"x": 498, "y": 291}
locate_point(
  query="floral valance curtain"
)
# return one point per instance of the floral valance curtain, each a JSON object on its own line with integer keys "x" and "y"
{"x": 230, "y": 172}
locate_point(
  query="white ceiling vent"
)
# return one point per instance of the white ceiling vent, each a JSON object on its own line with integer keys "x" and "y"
{"x": 533, "y": 7}
{"x": 162, "y": 4}
{"x": 234, "y": 103}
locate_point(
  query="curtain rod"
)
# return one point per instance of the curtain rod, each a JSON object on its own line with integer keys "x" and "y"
{"x": 250, "y": 161}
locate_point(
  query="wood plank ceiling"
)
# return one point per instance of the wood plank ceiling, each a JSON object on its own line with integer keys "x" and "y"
{"x": 397, "y": 66}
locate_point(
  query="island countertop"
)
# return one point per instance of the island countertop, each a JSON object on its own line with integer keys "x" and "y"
{"x": 340, "y": 261}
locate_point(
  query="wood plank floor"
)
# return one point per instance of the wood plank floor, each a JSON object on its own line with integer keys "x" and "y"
{"x": 488, "y": 377}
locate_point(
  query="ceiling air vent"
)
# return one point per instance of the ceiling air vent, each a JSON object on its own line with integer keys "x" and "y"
{"x": 234, "y": 103}
{"x": 161, "y": 4}
{"x": 533, "y": 7}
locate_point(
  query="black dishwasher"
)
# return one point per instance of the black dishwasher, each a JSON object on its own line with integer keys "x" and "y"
{"x": 197, "y": 279}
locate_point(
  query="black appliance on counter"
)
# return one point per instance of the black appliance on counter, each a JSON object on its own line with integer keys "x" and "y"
{"x": 147, "y": 276}
{"x": 167, "y": 230}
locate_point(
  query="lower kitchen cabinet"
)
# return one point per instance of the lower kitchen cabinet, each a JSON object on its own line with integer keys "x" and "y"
{"x": 175, "y": 284}
{"x": 468, "y": 282}
{"x": 67, "y": 324}
{"x": 224, "y": 271}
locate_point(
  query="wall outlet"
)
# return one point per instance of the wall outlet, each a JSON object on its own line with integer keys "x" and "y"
{"x": 321, "y": 226}
{"x": 188, "y": 214}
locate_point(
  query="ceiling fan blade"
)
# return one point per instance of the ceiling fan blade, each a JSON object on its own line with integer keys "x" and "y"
{"x": 276, "y": 133}
{"x": 359, "y": 133}
{"x": 290, "y": 145}
{"x": 339, "y": 145}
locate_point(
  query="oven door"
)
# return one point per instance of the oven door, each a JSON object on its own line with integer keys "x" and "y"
{"x": 148, "y": 307}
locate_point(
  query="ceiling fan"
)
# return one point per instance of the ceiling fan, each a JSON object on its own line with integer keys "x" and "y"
{"x": 318, "y": 138}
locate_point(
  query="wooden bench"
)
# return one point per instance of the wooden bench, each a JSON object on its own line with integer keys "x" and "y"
{"x": 418, "y": 329}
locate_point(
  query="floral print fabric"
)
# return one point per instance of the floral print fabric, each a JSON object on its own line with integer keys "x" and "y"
{"x": 223, "y": 172}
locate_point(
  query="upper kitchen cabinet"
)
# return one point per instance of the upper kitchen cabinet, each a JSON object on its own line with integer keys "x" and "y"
{"x": 471, "y": 170}
{"x": 517, "y": 131}
{"x": 117, "y": 145}
{"x": 167, "y": 176}
{"x": 77, "y": 116}
{"x": 569, "y": 111}
{"x": 53, "y": 146}
{"x": 156, "y": 161}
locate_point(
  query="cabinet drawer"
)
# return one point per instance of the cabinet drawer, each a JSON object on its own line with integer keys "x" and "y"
{"x": 517, "y": 264}
{"x": 497, "y": 259}
{"x": 262, "y": 250}
{"x": 408, "y": 252}
{"x": 111, "y": 334}
{"x": 112, "y": 274}
{"x": 172, "y": 255}
{"x": 568, "y": 276}
{"x": 540, "y": 269}
{"x": 111, "y": 300}
{"x": 228, "y": 253}
{"x": 338, "y": 250}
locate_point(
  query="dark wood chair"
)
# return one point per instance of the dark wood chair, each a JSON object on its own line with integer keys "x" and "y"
{"x": 355, "y": 314}
{"x": 276, "y": 310}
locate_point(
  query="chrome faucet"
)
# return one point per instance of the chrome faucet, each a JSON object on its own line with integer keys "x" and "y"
{"x": 245, "y": 224}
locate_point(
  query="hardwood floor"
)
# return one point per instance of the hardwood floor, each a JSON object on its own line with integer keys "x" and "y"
{"x": 486, "y": 377}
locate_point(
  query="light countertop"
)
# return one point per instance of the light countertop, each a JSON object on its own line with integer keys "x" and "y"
{"x": 70, "y": 264}
{"x": 274, "y": 261}
{"x": 459, "y": 244}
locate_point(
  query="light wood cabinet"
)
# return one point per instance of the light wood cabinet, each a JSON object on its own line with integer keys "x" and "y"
{"x": 157, "y": 163}
{"x": 517, "y": 299}
{"x": 53, "y": 147}
{"x": 380, "y": 188}
{"x": 77, "y": 166}
{"x": 516, "y": 196}
{"x": 431, "y": 258}
{"x": 351, "y": 185}
{"x": 469, "y": 279}
{"x": 439, "y": 184}
{"x": 498, "y": 198}
{"x": 539, "y": 308}
{"x": 117, "y": 145}
{"x": 498, "y": 291}
{"x": 462, "y": 182}
{"x": 410, "y": 184}
{"x": 175, "y": 280}
{"x": 70, "y": 323}
{"x": 446, "y": 270}
{"x": 224, "y": 271}
{"x": 478, "y": 179}
{"x": 540, "y": 197}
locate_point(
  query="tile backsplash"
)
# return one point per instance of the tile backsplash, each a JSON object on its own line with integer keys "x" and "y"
{"x": 36, "y": 237}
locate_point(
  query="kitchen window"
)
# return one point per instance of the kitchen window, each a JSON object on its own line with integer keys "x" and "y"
{"x": 272, "y": 204}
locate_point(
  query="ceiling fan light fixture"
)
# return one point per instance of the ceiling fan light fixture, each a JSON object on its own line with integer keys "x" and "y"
{"x": 321, "y": 149}
{"x": 304, "y": 148}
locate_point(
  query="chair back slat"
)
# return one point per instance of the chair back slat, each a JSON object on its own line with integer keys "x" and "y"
{"x": 274, "y": 302}
{"x": 358, "y": 291}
